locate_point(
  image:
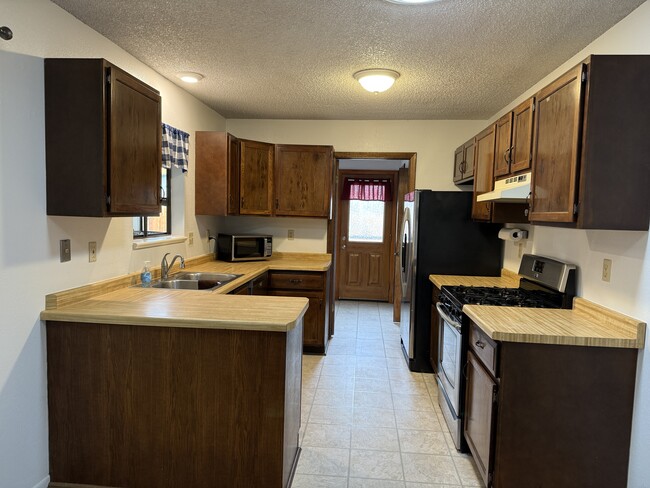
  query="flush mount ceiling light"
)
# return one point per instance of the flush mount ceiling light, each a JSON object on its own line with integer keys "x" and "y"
{"x": 412, "y": 2}
{"x": 189, "y": 77}
{"x": 376, "y": 80}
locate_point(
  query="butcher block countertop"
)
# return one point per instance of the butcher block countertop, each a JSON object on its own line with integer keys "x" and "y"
{"x": 587, "y": 324}
{"x": 120, "y": 301}
{"x": 508, "y": 279}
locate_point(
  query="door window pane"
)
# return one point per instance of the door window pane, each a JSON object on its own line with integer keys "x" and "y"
{"x": 366, "y": 222}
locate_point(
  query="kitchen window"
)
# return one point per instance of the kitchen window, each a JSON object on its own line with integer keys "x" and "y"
{"x": 160, "y": 225}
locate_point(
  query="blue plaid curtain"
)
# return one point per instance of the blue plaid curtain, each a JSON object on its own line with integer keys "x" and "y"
{"x": 175, "y": 147}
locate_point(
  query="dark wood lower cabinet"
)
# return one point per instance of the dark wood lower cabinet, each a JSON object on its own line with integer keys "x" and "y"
{"x": 313, "y": 285}
{"x": 139, "y": 407}
{"x": 543, "y": 415}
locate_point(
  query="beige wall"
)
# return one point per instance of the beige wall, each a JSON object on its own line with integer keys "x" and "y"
{"x": 434, "y": 141}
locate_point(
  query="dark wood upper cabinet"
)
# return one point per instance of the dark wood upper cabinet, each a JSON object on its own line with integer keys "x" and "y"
{"x": 484, "y": 172}
{"x": 521, "y": 152}
{"x": 590, "y": 167}
{"x": 217, "y": 174}
{"x": 556, "y": 148}
{"x": 503, "y": 145}
{"x": 464, "y": 163}
{"x": 256, "y": 178}
{"x": 103, "y": 140}
{"x": 513, "y": 153}
{"x": 303, "y": 177}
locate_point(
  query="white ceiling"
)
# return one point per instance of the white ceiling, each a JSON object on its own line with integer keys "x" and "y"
{"x": 292, "y": 59}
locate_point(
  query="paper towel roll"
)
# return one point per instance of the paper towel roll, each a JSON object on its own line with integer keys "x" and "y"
{"x": 514, "y": 235}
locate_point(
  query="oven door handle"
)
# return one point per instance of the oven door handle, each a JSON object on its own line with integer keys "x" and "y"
{"x": 444, "y": 315}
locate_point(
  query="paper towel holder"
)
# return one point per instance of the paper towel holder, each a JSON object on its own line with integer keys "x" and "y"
{"x": 515, "y": 235}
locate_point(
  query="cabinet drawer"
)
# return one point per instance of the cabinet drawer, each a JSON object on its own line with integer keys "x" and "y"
{"x": 484, "y": 348}
{"x": 297, "y": 281}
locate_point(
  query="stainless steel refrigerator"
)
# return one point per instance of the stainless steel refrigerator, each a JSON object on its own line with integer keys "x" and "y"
{"x": 438, "y": 236}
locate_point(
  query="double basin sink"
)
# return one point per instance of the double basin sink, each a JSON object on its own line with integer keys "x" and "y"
{"x": 195, "y": 281}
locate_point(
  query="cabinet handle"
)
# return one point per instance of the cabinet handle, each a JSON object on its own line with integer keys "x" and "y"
{"x": 480, "y": 344}
{"x": 463, "y": 166}
{"x": 528, "y": 203}
{"x": 295, "y": 281}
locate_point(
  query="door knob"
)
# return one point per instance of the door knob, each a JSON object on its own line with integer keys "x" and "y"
{"x": 343, "y": 246}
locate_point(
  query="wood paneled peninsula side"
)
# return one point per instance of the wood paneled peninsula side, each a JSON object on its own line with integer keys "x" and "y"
{"x": 168, "y": 388}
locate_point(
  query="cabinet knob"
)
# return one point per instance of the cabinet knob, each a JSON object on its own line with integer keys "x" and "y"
{"x": 480, "y": 344}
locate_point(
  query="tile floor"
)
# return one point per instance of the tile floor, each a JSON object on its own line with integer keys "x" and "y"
{"x": 367, "y": 421}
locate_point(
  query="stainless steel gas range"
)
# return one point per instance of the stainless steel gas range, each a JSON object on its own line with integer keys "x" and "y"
{"x": 545, "y": 283}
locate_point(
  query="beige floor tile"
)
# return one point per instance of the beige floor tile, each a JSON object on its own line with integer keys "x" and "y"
{"x": 345, "y": 382}
{"x": 324, "y": 461}
{"x": 308, "y": 396}
{"x": 414, "y": 420}
{"x": 315, "y": 481}
{"x": 371, "y": 372}
{"x": 373, "y": 438}
{"x": 372, "y": 385}
{"x": 427, "y": 468}
{"x": 368, "y": 483}
{"x": 321, "y": 435}
{"x": 403, "y": 374}
{"x": 376, "y": 464}
{"x": 373, "y": 399}
{"x": 429, "y": 485}
{"x": 343, "y": 348}
{"x": 393, "y": 363}
{"x": 370, "y": 334}
{"x": 346, "y": 369}
{"x": 370, "y": 362}
{"x": 408, "y": 388}
{"x": 328, "y": 414}
{"x": 393, "y": 351}
{"x": 423, "y": 442}
{"x": 373, "y": 417}
{"x": 417, "y": 402}
{"x": 310, "y": 381}
{"x": 469, "y": 475}
{"x": 338, "y": 398}
{"x": 340, "y": 359}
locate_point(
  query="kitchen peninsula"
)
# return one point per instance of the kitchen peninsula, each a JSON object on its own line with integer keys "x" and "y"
{"x": 167, "y": 388}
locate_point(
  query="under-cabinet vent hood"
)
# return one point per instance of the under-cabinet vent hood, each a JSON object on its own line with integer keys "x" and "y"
{"x": 515, "y": 189}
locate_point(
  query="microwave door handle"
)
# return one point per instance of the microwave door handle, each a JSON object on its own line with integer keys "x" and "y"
{"x": 447, "y": 318}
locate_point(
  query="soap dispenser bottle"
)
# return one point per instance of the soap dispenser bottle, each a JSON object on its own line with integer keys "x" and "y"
{"x": 145, "y": 276}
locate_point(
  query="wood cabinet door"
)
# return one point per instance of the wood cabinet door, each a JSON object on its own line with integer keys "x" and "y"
{"x": 521, "y": 154}
{"x": 503, "y": 150}
{"x": 469, "y": 161}
{"x": 459, "y": 157}
{"x": 314, "y": 321}
{"x": 303, "y": 176}
{"x": 484, "y": 176}
{"x": 256, "y": 178}
{"x": 233, "y": 175}
{"x": 480, "y": 409}
{"x": 134, "y": 146}
{"x": 556, "y": 148}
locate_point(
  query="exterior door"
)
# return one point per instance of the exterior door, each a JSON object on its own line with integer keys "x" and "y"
{"x": 365, "y": 244}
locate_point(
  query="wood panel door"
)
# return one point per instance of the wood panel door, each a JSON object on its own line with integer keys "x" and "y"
{"x": 365, "y": 266}
{"x": 483, "y": 176}
{"x": 556, "y": 150}
{"x": 521, "y": 155}
{"x": 302, "y": 180}
{"x": 480, "y": 415}
{"x": 256, "y": 178}
{"x": 503, "y": 150}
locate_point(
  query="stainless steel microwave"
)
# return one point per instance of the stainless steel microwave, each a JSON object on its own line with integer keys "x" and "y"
{"x": 243, "y": 247}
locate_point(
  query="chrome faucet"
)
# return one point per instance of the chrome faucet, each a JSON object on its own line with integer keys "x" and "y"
{"x": 164, "y": 267}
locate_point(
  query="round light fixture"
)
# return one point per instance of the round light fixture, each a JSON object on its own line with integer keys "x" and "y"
{"x": 412, "y": 2}
{"x": 189, "y": 77}
{"x": 376, "y": 80}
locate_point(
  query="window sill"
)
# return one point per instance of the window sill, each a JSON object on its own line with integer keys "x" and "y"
{"x": 157, "y": 241}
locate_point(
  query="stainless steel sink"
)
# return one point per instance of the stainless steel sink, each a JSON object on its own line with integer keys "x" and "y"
{"x": 195, "y": 281}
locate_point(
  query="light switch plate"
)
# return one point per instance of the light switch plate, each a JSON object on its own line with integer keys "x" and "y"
{"x": 64, "y": 250}
{"x": 607, "y": 269}
{"x": 92, "y": 252}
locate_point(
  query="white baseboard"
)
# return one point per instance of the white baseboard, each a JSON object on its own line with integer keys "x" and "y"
{"x": 43, "y": 483}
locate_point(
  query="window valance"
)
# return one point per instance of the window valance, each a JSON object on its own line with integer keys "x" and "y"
{"x": 378, "y": 190}
{"x": 175, "y": 148}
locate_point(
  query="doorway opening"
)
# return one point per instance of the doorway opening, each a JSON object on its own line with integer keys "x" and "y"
{"x": 366, "y": 228}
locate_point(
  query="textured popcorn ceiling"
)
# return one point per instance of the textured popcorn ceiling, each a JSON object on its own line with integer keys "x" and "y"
{"x": 290, "y": 59}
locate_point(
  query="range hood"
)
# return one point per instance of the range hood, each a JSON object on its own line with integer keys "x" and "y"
{"x": 509, "y": 190}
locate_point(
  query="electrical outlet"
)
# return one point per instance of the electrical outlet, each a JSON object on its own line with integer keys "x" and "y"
{"x": 92, "y": 252}
{"x": 607, "y": 269}
{"x": 191, "y": 238}
{"x": 64, "y": 250}
{"x": 290, "y": 234}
